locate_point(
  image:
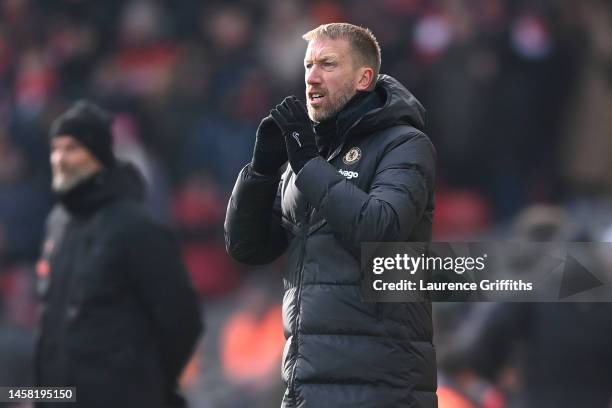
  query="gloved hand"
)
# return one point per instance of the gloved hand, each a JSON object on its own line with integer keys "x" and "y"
{"x": 292, "y": 118}
{"x": 269, "y": 153}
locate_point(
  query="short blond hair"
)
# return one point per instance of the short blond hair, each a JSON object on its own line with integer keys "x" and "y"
{"x": 361, "y": 39}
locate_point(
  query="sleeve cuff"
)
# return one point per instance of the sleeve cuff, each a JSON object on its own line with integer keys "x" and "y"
{"x": 255, "y": 190}
{"x": 316, "y": 178}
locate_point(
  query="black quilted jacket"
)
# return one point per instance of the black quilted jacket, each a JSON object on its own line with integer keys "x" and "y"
{"x": 375, "y": 185}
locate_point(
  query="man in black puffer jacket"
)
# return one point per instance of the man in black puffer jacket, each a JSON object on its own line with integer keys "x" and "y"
{"x": 364, "y": 173}
{"x": 119, "y": 317}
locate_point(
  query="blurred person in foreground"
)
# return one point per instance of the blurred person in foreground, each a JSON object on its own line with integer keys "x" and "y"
{"x": 360, "y": 170}
{"x": 119, "y": 318}
{"x": 544, "y": 354}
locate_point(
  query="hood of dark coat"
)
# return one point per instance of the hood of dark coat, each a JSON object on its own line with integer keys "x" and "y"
{"x": 118, "y": 182}
{"x": 396, "y": 106}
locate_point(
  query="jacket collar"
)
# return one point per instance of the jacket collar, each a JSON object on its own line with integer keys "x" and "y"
{"x": 333, "y": 132}
{"x": 101, "y": 188}
{"x": 390, "y": 104}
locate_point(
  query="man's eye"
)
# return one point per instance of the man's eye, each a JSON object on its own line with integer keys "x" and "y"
{"x": 308, "y": 66}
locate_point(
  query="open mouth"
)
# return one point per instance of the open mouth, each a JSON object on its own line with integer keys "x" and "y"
{"x": 315, "y": 98}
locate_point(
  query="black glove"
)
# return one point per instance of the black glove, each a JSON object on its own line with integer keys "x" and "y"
{"x": 270, "y": 152}
{"x": 292, "y": 119}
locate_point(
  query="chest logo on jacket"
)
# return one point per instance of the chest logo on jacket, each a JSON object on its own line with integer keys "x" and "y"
{"x": 348, "y": 174}
{"x": 352, "y": 156}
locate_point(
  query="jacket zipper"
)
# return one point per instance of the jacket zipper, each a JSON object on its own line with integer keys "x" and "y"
{"x": 298, "y": 301}
{"x": 344, "y": 139}
{"x": 301, "y": 273}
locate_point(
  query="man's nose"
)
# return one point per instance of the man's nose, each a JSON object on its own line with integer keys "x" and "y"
{"x": 57, "y": 157}
{"x": 313, "y": 76}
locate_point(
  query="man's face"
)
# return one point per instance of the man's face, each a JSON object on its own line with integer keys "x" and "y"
{"x": 71, "y": 163}
{"x": 331, "y": 77}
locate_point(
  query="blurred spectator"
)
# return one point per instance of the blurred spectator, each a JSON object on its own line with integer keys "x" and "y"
{"x": 542, "y": 354}
{"x": 24, "y": 202}
{"x": 589, "y": 145}
{"x": 198, "y": 210}
{"x": 128, "y": 147}
{"x": 252, "y": 343}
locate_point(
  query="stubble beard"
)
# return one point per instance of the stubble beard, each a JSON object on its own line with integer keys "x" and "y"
{"x": 62, "y": 182}
{"x": 324, "y": 113}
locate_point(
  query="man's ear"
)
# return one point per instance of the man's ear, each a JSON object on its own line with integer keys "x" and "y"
{"x": 366, "y": 76}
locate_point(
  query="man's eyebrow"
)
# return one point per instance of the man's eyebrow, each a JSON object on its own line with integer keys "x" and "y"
{"x": 325, "y": 58}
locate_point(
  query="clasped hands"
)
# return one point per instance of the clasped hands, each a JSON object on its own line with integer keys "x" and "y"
{"x": 285, "y": 134}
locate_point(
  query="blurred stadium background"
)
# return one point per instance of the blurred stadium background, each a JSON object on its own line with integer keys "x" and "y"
{"x": 519, "y": 100}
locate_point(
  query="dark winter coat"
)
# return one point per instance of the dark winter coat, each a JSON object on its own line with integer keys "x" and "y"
{"x": 119, "y": 318}
{"x": 376, "y": 185}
